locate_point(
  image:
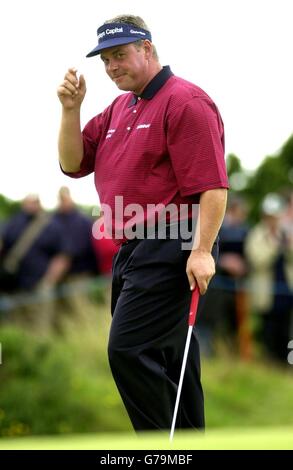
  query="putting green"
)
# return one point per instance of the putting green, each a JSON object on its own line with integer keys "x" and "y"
{"x": 257, "y": 438}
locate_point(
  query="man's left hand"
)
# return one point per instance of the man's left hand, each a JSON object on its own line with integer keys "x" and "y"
{"x": 200, "y": 269}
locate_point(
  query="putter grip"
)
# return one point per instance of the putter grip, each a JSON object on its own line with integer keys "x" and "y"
{"x": 193, "y": 306}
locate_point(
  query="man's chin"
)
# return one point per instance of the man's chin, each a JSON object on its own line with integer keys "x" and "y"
{"x": 121, "y": 83}
{"x": 122, "y": 87}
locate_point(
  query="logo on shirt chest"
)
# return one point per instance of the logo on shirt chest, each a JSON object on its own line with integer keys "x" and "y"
{"x": 127, "y": 129}
{"x": 110, "y": 132}
{"x": 143, "y": 126}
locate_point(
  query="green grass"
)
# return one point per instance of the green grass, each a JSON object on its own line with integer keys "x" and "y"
{"x": 61, "y": 387}
{"x": 247, "y": 394}
{"x": 255, "y": 439}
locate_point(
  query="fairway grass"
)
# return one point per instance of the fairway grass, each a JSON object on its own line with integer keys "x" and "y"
{"x": 253, "y": 439}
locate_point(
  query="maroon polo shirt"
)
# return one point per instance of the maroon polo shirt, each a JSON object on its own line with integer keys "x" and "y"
{"x": 163, "y": 147}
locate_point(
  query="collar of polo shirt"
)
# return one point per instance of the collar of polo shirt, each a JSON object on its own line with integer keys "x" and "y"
{"x": 153, "y": 86}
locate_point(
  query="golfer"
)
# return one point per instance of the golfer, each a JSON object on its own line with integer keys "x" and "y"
{"x": 159, "y": 145}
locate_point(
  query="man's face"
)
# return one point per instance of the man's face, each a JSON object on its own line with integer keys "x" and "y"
{"x": 127, "y": 66}
{"x": 31, "y": 205}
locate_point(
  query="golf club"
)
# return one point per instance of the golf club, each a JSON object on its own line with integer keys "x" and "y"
{"x": 191, "y": 322}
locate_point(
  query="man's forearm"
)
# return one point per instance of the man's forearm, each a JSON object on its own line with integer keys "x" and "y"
{"x": 211, "y": 214}
{"x": 57, "y": 269}
{"x": 70, "y": 143}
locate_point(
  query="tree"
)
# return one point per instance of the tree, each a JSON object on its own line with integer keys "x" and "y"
{"x": 8, "y": 207}
{"x": 274, "y": 175}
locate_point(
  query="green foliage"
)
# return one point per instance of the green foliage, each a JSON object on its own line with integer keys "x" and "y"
{"x": 274, "y": 174}
{"x": 7, "y": 207}
{"x": 49, "y": 386}
{"x": 233, "y": 164}
{"x": 287, "y": 153}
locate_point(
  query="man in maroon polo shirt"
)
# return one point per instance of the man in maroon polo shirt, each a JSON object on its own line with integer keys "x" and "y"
{"x": 160, "y": 146}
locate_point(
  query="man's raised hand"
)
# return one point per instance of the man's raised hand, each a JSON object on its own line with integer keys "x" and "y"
{"x": 72, "y": 90}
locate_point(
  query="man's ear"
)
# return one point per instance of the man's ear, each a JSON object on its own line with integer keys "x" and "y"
{"x": 148, "y": 48}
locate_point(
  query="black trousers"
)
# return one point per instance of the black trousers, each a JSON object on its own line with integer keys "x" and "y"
{"x": 150, "y": 306}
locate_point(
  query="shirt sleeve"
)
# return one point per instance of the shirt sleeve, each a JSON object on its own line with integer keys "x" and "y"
{"x": 91, "y": 135}
{"x": 195, "y": 139}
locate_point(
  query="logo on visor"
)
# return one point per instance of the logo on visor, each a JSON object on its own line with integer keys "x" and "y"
{"x": 136, "y": 32}
{"x": 110, "y": 31}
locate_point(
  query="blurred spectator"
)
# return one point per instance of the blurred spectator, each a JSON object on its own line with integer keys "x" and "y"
{"x": 2, "y": 227}
{"x": 34, "y": 256}
{"x": 269, "y": 250}
{"x": 76, "y": 227}
{"x": 104, "y": 247}
{"x": 226, "y": 322}
{"x": 287, "y": 216}
{"x": 42, "y": 254}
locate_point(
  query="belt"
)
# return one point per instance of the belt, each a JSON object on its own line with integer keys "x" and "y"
{"x": 158, "y": 232}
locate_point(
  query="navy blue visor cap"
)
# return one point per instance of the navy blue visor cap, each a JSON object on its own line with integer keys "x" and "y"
{"x": 117, "y": 34}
